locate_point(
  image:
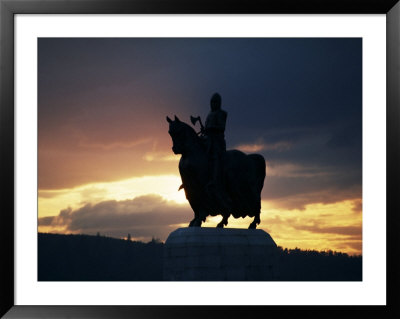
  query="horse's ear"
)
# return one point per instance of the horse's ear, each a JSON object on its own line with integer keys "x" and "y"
{"x": 169, "y": 120}
{"x": 176, "y": 119}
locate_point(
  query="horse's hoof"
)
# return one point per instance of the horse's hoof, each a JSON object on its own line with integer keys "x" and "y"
{"x": 220, "y": 225}
{"x": 252, "y": 226}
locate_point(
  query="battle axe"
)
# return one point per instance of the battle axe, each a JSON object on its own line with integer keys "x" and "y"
{"x": 194, "y": 121}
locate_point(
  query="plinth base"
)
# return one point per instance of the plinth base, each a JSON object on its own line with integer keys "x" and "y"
{"x": 220, "y": 254}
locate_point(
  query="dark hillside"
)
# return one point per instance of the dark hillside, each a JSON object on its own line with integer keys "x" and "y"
{"x": 99, "y": 258}
{"x": 311, "y": 265}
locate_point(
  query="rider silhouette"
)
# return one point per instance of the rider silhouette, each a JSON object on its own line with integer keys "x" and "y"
{"x": 214, "y": 132}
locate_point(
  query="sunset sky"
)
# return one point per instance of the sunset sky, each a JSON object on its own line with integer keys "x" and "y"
{"x": 104, "y": 152}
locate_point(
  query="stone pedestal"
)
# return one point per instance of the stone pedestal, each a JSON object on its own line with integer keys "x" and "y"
{"x": 220, "y": 254}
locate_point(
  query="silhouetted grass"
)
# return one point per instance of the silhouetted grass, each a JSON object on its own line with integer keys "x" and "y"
{"x": 99, "y": 258}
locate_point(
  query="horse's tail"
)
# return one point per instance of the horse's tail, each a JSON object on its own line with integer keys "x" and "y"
{"x": 260, "y": 169}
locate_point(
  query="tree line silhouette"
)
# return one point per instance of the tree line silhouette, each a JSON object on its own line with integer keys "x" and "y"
{"x": 311, "y": 265}
{"x": 101, "y": 258}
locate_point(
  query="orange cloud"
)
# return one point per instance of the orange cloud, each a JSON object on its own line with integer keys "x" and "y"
{"x": 261, "y": 146}
{"x": 333, "y": 226}
{"x": 113, "y": 145}
{"x": 161, "y": 157}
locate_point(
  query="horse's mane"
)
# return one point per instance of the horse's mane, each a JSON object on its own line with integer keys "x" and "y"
{"x": 190, "y": 130}
{"x": 192, "y": 134}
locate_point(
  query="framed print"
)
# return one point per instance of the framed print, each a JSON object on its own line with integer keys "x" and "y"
{"x": 99, "y": 101}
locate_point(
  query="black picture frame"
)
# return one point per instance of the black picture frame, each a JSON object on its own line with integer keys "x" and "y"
{"x": 9, "y": 8}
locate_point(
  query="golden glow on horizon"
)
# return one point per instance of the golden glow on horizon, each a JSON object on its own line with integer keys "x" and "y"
{"x": 52, "y": 201}
{"x": 336, "y": 226}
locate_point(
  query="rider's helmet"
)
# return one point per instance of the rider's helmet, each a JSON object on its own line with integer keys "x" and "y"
{"x": 215, "y": 102}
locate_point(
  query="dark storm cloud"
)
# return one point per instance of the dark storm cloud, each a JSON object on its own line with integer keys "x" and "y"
{"x": 298, "y": 197}
{"x": 46, "y": 221}
{"x": 299, "y": 100}
{"x": 144, "y": 216}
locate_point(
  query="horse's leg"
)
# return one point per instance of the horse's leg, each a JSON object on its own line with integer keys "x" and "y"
{"x": 197, "y": 213}
{"x": 201, "y": 216}
{"x": 197, "y": 222}
{"x": 198, "y": 219}
{"x": 224, "y": 221}
{"x": 255, "y": 222}
{"x": 194, "y": 220}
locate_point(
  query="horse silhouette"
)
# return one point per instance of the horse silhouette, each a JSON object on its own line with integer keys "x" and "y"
{"x": 243, "y": 178}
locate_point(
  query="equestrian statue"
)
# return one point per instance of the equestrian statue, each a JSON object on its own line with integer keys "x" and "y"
{"x": 216, "y": 181}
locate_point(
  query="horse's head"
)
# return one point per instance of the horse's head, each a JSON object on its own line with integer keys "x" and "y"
{"x": 182, "y": 135}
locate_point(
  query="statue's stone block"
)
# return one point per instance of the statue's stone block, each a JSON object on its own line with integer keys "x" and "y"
{"x": 220, "y": 254}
